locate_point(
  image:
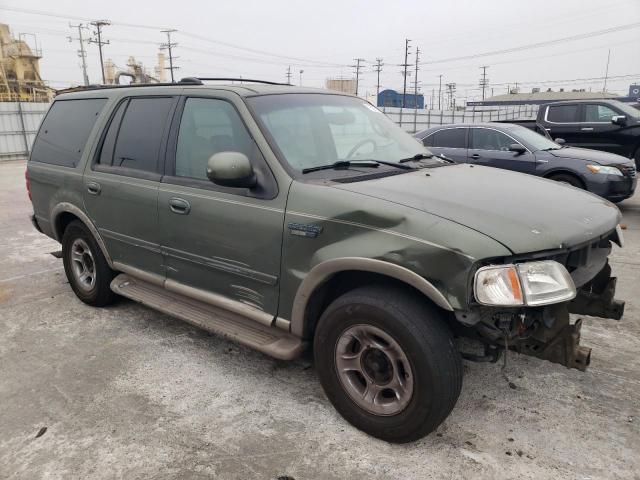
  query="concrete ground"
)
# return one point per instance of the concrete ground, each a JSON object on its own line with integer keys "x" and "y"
{"x": 125, "y": 392}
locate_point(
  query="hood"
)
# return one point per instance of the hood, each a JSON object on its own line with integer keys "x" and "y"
{"x": 524, "y": 213}
{"x": 597, "y": 156}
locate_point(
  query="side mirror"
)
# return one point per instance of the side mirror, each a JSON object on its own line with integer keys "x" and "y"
{"x": 560, "y": 141}
{"x": 516, "y": 147}
{"x": 231, "y": 169}
{"x": 619, "y": 120}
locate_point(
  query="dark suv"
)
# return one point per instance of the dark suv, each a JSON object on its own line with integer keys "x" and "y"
{"x": 286, "y": 218}
{"x": 517, "y": 148}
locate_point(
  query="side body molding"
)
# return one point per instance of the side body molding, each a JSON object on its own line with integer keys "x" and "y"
{"x": 323, "y": 271}
{"x": 70, "y": 208}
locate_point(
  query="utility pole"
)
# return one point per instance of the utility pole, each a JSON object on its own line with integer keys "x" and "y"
{"x": 82, "y": 53}
{"x": 606, "y": 73}
{"x": 99, "y": 24}
{"x": 169, "y": 46}
{"x": 357, "y": 67}
{"x": 451, "y": 90}
{"x": 484, "y": 81}
{"x": 440, "y": 92}
{"x": 415, "y": 92}
{"x": 378, "y": 69}
{"x": 405, "y": 72}
{"x": 289, "y": 75}
{"x": 301, "y": 72}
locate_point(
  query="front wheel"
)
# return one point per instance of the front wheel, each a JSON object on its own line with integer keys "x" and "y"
{"x": 387, "y": 362}
{"x": 568, "y": 179}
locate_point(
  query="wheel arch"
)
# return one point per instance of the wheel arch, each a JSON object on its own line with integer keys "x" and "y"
{"x": 564, "y": 171}
{"x": 64, "y": 213}
{"x": 310, "y": 297}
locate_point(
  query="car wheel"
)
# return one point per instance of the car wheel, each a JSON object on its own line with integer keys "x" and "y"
{"x": 87, "y": 270}
{"x": 568, "y": 179}
{"x": 387, "y": 362}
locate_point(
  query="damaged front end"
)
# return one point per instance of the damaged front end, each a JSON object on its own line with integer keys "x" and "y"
{"x": 546, "y": 331}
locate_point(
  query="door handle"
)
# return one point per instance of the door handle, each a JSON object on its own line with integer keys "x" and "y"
{"x": 179, "y": 206}
{"x": 475, "y": 156}
{"x": 586, "y": 129}
{"x": 94, "y": 188}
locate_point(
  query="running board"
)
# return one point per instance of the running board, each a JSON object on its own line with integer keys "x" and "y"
{"x": 268, "y": 340}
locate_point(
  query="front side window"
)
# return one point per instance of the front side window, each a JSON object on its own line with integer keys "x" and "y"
{"x": 140, "y": 134}
{"x": 311, "y": 130}
{"x": 208, "y": 126}
{"x": 487, "y": 139}
{"x": 598, "y": 113}
{"x": 563, "y": 113}
{"x": 450, "y": 138}
{"x": 65, "y": 131}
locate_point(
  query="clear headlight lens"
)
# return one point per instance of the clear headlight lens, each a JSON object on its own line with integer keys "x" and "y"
{"x": 604, "y": 170}
{"x": 531, "y": 283}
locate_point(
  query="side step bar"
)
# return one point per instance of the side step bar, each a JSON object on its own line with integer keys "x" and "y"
{"x": 268, "y": 340}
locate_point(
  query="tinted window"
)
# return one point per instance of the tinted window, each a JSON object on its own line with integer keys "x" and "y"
{"x": 106, "y": 153}
{"x": 563, "y": 113}
{"x": 450, "y": 138}
{"x": 140, "y": 133}
{"x": 65, "y": 130}
{"x": 207, "y": 127}
{"x": 598, "y": 113}
{"x": 487, "y": 139}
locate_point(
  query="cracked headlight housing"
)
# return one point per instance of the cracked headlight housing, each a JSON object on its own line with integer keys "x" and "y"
{"x": 524, "y": 284}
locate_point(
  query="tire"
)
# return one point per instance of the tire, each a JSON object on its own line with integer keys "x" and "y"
{"x": 431, "y": 365}
{"x": 567, "y": 178}
{"x": 87, "y": 270}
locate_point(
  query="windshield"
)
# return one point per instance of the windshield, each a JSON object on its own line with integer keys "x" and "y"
{"x": 627, "y": 109}
{"x": 312, "y": 130}
{"x": 534, "y": 141}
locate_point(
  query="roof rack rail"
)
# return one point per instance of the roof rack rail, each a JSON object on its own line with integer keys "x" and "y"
{"x": 199, "y": 80}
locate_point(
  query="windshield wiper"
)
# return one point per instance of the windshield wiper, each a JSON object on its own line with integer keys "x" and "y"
{"x": 417, "y": 156}
{"x": 344, "y": 164}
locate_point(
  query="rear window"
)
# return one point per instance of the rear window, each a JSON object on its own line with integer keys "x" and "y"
{"x": 65, "y": 131}
{"x": 563, "y": 113}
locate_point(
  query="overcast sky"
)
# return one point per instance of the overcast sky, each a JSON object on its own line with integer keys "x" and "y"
{"x": 260, "y": 39}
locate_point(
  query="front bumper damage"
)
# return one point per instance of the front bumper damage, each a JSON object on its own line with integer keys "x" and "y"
{"x": 547, "y": 333}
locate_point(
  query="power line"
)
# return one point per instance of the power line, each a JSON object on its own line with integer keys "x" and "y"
{"x": 169, "y": 46}
{"x": 484, "y": 81}
{"x": 539, "y": 44}
{"x": 357, "y": 67}
{"x": 99, "y": 24}
{"x": 82, "y": 52}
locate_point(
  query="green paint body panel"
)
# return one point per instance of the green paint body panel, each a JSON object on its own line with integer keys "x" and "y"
{"x": 440, "y": 223}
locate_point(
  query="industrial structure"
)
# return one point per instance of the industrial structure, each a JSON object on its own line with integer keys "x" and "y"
{"x": 391, "y": 98}
{"x": 344, "y": 85}
{"x": 20, "y": 78}
{"x": 136, "y": 71}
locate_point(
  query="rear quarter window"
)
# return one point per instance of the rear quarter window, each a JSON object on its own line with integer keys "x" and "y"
{"x": 65, "y": 131}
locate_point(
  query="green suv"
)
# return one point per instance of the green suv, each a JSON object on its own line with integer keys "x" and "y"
{"x": 289, "y": 219}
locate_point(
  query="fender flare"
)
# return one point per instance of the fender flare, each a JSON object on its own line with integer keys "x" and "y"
{"x": 66, "y": 207}
{"x": 319, "y": 274}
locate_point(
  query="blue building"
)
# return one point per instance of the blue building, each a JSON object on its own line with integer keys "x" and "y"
{"x": 391, "y": 98}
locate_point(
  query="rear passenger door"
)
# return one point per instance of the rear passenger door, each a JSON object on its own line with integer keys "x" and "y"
{"x": 563, "y": 121}
{"x": 121, "y": 184}
{"x": 490, "y": 147}
{"x": 222, "y": 241}
{"x": 450, "y": 142}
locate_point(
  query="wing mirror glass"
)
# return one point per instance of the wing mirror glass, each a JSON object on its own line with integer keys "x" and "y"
{"x": 619, "y": 120}
{"x": 560, "y": 141}
{"x": 516, "y": 147}
{"x": 231, "y": 169}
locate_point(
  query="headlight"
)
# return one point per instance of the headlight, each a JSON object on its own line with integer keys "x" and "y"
{"x": 604, "y": 170}
{"x": 531, "y": 284}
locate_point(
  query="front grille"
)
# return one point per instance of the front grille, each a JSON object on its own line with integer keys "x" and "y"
{"x": 628, "y": 170}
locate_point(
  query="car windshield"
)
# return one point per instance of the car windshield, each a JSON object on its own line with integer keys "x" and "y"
{"x": 534, "y": 141}
{"x": 627, "y": 109}
{"x": 313, "y": 130}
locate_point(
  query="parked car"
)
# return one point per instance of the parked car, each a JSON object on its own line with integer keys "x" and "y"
{"x": 513, "y": 147}
{"x": 286, "y": 218}
{"x": 608, "y": 125}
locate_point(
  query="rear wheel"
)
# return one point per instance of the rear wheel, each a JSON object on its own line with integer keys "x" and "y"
{"x": 87, "y": 270}
{"x": 568, "y": 179}
{"x": 387, "y": 362}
